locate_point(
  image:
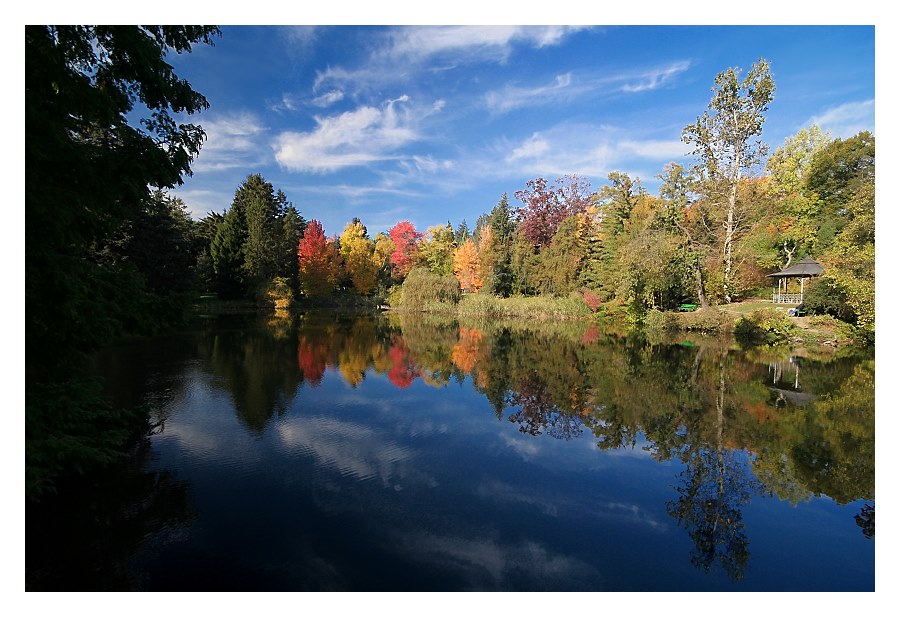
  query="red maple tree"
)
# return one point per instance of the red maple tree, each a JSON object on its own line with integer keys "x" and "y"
{"x": 406, "y": 242}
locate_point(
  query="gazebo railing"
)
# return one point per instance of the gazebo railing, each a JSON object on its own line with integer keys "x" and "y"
{"x": 787, "y": 298}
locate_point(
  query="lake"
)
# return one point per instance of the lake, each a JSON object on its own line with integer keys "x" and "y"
{"x": 406, "y": 453}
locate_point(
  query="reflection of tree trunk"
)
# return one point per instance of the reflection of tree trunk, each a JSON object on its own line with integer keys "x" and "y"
{"x": 695, "y": 370}
{"x": 720, "y": 428}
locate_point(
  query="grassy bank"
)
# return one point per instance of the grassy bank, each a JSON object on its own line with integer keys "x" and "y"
{"x": 754, "y": 322}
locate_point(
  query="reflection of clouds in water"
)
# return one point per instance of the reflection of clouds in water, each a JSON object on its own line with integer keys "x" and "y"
{"x": 505, "y": 493}
{"x": 552, "y": 504}
{"x": 526, "y": 448}
{"x": 206, "y": 428}
{"x": 351, "y": 449}
{"x": 487, "y": 565}
{"x": 633, "y": 514}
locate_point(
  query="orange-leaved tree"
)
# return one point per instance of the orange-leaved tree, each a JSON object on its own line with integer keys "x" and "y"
{"x": 467, "y": 267}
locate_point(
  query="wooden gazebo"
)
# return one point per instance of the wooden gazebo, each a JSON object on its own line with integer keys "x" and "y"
{"x": 804, "y": 269}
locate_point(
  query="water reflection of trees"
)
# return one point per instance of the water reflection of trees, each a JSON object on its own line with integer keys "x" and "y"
{"x": 253, "y": 368}
{"x": 568, "y": 379}
{"x": 741, "y": 422}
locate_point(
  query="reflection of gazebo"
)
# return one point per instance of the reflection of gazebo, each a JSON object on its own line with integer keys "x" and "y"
{"x": 803, "y": 269}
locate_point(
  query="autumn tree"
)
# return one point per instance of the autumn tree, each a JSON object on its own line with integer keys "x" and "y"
{"x": 319, "y": 262}
{"x": 690, "y": 219}
{"x": 850, "y": 260}
{"x": 545, "y": 207}
{"x": 655, "y": 267}
{"x": 467, "y": 267}
{"x": 358, "y": 253}
{"x": 406, "y": 242}
{"x": 726, "y": 145}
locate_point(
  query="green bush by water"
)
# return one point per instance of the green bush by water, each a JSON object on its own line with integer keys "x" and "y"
{"x": 766, "y": 326}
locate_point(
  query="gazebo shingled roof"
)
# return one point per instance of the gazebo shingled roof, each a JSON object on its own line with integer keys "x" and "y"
{"x": 806, "y": 267}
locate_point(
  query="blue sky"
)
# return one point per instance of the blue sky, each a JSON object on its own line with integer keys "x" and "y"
{"x": 430, "y": 124}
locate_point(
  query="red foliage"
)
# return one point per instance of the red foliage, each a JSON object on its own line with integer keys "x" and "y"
{"x": 547, "y": 207}
{"x": 592, "y": 300}
{"x": 402, "y": 372}
{"x": 320, "y": 264}
{"x": 312, "y": 359}
{"x": 406, "y": 241}
{"x": 591, "y": 335}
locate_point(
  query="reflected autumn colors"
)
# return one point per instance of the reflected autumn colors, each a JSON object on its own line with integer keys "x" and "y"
{"x": 806, "y": 425}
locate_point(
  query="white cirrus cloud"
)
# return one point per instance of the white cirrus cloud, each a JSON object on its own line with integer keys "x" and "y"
{"x": 401, "y": 54}
{"x": 329, "y": 98}
{"x": 568, "y": 87}
{"x": 656, "y": 78}
{"x": 584, "y": 149}
{"x": 360, "y": 137}
{"x": 472, "y": 42}
{"x": 288, "y": 102}
{"x": 848, "y": 119}
{"x": 513, "y": 97}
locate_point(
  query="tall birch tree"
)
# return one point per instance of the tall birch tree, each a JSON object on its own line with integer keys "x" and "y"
{"x": 726, "y": 143}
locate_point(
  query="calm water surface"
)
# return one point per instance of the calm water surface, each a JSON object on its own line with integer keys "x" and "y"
{"x": 357, "y": 453}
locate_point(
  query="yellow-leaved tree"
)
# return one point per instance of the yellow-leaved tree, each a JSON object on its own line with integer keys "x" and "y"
{"x": 358, "y": 252}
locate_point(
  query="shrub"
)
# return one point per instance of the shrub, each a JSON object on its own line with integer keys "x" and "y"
{"x": 280, "y": 294}
{"x": 703, "y": 320}
{"x": 768, "y": 326}
{"x": 423, "y": 288}
{"x": 659, "y": 320}
{"x": 592, "y": 300}
{"x": 823, "y": 298}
